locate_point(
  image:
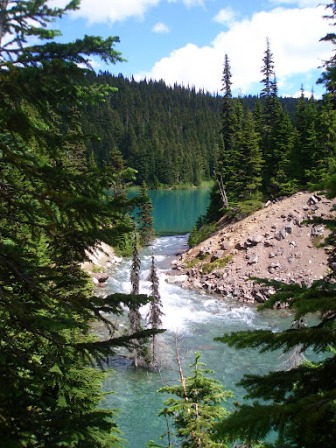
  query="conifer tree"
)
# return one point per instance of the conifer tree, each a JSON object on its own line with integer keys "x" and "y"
{"x": 155, "y": 309}
{"x": 328, "y": 77}
{"x": 134, "y": 314}
{"x": 276, "y": 133}
{"x": 304, "y": 166}
{"x": 226, "y": 164}
{"x": 268, "y": 73}
{"x": 145, "y": 218}
{"x": 252, "y": 160}
{"x": 226, "y": 187}
{"x": 324, "y": 163}
{"x": 197, "y": 408}
{"x": 53, "y": 208}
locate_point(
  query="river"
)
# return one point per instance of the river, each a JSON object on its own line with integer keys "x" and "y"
{"x": 196, "y": 319}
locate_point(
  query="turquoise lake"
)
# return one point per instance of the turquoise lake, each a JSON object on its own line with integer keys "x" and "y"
{"x": 176, "y": 211}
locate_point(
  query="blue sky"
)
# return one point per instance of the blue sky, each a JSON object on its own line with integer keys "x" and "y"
{"x": 185, "y": 41}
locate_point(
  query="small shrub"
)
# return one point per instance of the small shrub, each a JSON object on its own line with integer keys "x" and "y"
{"x": 217, "y": 264}
{"x": 192, "y": 263}
{"x": 97, "y": 269}
{"x": 197, "y": 235}
{"x": 318, "y": 241}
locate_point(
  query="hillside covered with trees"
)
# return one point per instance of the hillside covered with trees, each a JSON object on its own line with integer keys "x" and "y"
{"x": 169, "y": 135}
{"x": 64, "y": 161}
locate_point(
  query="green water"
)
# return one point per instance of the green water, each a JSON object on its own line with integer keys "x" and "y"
{"x": 176, "y": 211}
{"x": 197, "y": 319}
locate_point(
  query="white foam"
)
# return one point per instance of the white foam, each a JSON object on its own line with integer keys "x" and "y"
{"x": 182, "y": 308}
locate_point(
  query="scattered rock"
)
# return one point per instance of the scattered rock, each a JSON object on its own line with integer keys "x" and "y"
{"x": 253, "y": 241}
{"x": 218, "y": 255}
{"x": 252, "y": 259}
{"x": 272, "y": 256}
{"x": 177, "y": 279}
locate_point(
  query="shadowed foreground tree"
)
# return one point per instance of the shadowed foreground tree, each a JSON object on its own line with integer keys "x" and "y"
{"x": 298, "y": 404}
{"x": 52, "y": 209}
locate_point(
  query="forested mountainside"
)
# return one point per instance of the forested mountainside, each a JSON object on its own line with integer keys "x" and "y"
{"x": 170, "y": 135}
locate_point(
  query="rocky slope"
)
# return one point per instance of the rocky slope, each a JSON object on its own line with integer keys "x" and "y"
{"x": 279, "y": 242}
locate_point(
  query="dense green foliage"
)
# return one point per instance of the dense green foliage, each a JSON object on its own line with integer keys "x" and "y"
{"x": 53, "y": 207}
{"x": 170, "y": 135}
{"x": 298, "y": 405}
{"x": 145, "y": 217}
{"x": 267, "y": 153}
{"x": 195, "y": 409}
{"x": 201, "y": 232}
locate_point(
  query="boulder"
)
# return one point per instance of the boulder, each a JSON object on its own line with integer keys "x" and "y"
{"x": 217, "y": 255}
{"x": 317, "y": 230}
{"x": 281, "y": 235}
{"x": 253, "y": 241}
{"x": 177, "y": 279}
{"x": 100, "y": 279}
{"x": 314, "y": 199}
{"x": 252, "y": 259}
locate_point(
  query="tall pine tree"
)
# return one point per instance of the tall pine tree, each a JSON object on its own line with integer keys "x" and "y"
{"x": 145, "y": 217}
{"x": 53, "y": 207}
{"x": 155, "y": 310}
{"x": 276, "y": 133}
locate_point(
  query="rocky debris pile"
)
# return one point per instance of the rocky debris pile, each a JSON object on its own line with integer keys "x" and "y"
{"x": 281, "y": 242}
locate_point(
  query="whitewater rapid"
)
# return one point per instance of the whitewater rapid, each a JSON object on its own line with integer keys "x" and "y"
{"x": 194, "y": 320}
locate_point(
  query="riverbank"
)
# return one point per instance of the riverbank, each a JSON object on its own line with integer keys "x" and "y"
{"x": 100, "y": 259}
{"x": 279, "y": 242}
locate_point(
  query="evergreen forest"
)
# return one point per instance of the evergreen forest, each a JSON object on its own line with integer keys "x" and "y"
{"x": 66, "y": 161}
{"x": 169, "y": 135}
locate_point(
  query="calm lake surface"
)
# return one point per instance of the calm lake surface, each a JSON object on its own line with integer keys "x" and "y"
{"x": 176, "y": 211}
{"x": 195, "y": 318}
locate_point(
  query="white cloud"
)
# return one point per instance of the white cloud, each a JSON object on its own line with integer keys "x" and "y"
{"x": 160, "y": 27}
{"x": 225, "y": 16}
{"x": 110, "y": 11}
{"x": 58, "y": 3}
{"x": 189, "y": 3}
{"x": 298, "y": 3}
{"x": 181, "y": 67}
{"x": 294, "y": 38}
